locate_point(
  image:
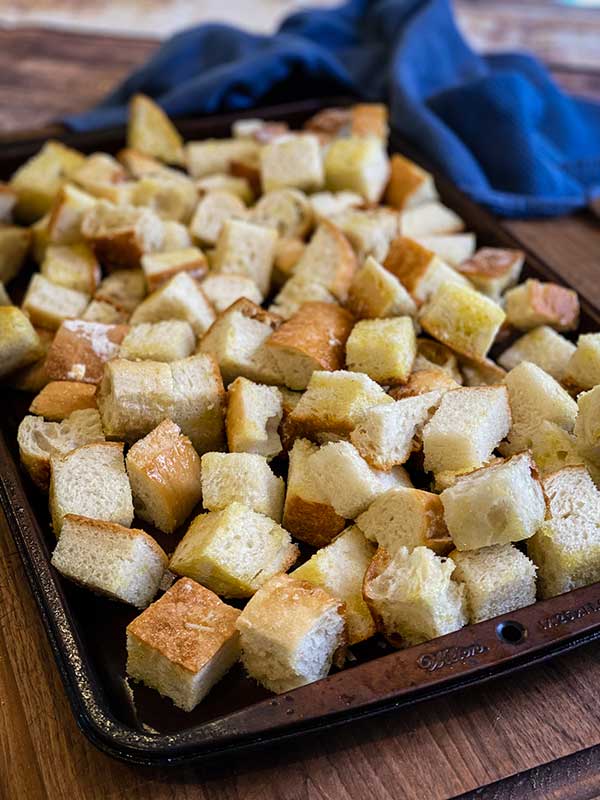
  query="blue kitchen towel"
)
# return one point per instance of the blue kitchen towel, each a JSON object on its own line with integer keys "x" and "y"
{"x": 497, "y": 125}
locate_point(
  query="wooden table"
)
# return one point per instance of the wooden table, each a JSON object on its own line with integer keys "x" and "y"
{"x": 541, "y": 726}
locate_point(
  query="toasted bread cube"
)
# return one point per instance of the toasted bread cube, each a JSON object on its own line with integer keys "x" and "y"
{"x": 58, "y": 399}
{"x": 224, "y": 290}
{"x": 123, "y": 563}
{"x": 348, "y": 483}
{"x": 287, "y": 210}
{"x": 179, "y": 298}
{"x": 66, "y": 215}
{"x": 101, "y": 175}
{"x": 211, "y": 214}
{"x": 462, "y": 318}
{"x": 419, "y": 270}
{"x": 40, "y": 178}
{"x": 424, "y": 381}
{"x": 384, "y": 349}
{"x": 587, "y": 424}
{"x": 39, "y": 238}
{"x": 259, "y": 130}
{"x": 358, "y": 165}
{"x": 326, "y": 204}
{"x": 90, "y": 481}
{"x": 435, "y": 355}
{"x": 74, "y": 266}
{"x": 468, "y": 424}
{"x": 340, "y": 568}
{"x": 170, "y": 194}
{"x": 566, "y": 548}
{"x": 376, "y": 292}
{"x": 164, "y": 472}
{"x": 294, "y": 161}
{"x": 297, "y": 291}
{"x": 484, "y": 372}
{"x": 8, "y": 200}
{"x": 409, "y": 185}
{"x": 406, "y": 517}
{"x": 246, "y": 249}
{"x": 497, "y": 580}
{"x": 121, "y": 235}
{"x": 215, "y": 156}
{"x": 169, "y": 340}
{"x": 233, "y": 551}
{"x": 329, "y": 260}
{"x": 183, "y": 643}
{"x": 221, "y": 182}
{"x": 254, "y": 412}
{"x": 542, "y": 346}
{"x": 39, "y": 441}
{"x": 535, "y": 396}
{"x": 177, "y": 236}
{"x": 290, "y": 632}
{"x": 493, "y": 269}
{"x": 430, "y": 219}
{"x": 583, "y": 368}
{"x": 100, "y": 311}
{"x": 150, "y": 131}
{"x": 124, "y": 288}
{"x": 241, "y": 478}
{"x": 495, "y": 505}
{"x": 14, "y": 246}
{"x": 140, "y": 164}
{"x": 160, "y": 267}
{"x": 553, "y": 448}
{"x": 412, "y": 596}
{"x": 49, "y": 304}
{"x": 370, "y": 119}
{"x": 32, "y": 377}
{"x": 81, "y": 349}
{"x": 369, "y": 231}
{"x": 313, "y": 339}
{"x": 535, "y": 303}
{"x": 19, "y": 343}
{"x": 453, "y": 249}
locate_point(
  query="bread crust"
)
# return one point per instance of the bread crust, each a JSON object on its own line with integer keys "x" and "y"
{"x": 491, "y": 263}
{"x": 425, "y": 380}
{"x": 80, "y": 350}
{"x": 58, "y": 399}
{"x": 315, "y": 523}
{"x": 408, "y": 261}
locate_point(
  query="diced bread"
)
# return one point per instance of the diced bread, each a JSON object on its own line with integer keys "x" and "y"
{"x": 241, "y": 478}
{"x": 234, "y": 551}
{"x": 221, "y": 182}
{"x": 288, "y": 253}
{"x": 20, "y": 345}
{"x": 121, "y": 235}
{"x": 435, "y": 355}
{"x": 211, "y": 214}
{"x": 534, "y": 303}
{"x": 81, "y": 349}
{"x": 168, "y": 340}
{"x": 254, "y": 412}
{"x": 215, "y": 156}
{"x": 453, "y": 249}
{"x": 101, "y": 311}
{"x": 288, "y": 211}
{"x": 370, "y": 120}
{"x": 123, "y": 288}
{"x": 150, "y": 131}
{"x": 340, "y": 568}
{"x": 542, "y": 346}
{"x": 39, "y": 240}
{"x": 412, "y": 596}
{"x": 495, "y": 505}
{"x": 583, "y": 368}
{"x": 293, "y": 161}
{"x": 34, "y": 376}
{"x": 587, "y": 424}
{"x": 160, "y": 267}
{"x": 369, "y": 231}
{"x": 481, "y": 372}
{"x": 358, "y": 165}
{"x": 383, "y": 349}
{"x": 223, "y": 291}
{"x": 297, "y": 291}
{"x": 74, "y": 266}
{"x": 177, "y": 236}
{"x": 48, "y": 304}
{"x": 553, "y": 448}
{"x": 65, "y": 216}
{"x": 138, "y": 163}
{"x": 246, "y": 249}
{"x": 409, "y": 185}
{"x": 376, "y": 292}
{"x": 58, "y": 399}
{"x": 290, "y": 632}
{"x": 326, "y": 204}
{"x": 14, "y": 246}
{"x": 259, "y": 130}
{"x": 430, "y": 219}
{"x": 90, "y": 481}
{"x": 179, "y": 298}
{"x": 183, "y": 643}
{"x": 102, "y": 176}
{"x": 125, "y": 564}
{"x": 497, "y": 580}
{"x": 423, "y": 382}
{"x": 164, "y": 472}
{"x": 492, "y": 269}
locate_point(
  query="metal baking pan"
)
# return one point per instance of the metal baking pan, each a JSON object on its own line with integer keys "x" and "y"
{"x": 87, "y": 633}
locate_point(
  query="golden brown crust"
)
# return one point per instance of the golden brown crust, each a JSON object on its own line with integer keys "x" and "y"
{"x": 437, "y": 536}
{"x": 58, "y": 399}
{"x": 249, "y": 171}
{"x": 425, "y": 380}
{"x": 315, "y": 523}
{"x": 408, "y": 261}
{"x": 490, "y": 372}
{"x": 80, "y": 349}
{"x": 248, "y": 309}
{"x": 405, "y": 178}
{"x": 491, "y": 262}
{"x": 196, "y": 267}
{"x": 346, "y": 261}
{"x": 560, "y": 306}
{"x": 370, "y": 119}
{"x": 114, "y": 527}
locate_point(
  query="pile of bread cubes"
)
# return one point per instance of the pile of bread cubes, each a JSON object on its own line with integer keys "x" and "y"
{"x": 283, "y": 337}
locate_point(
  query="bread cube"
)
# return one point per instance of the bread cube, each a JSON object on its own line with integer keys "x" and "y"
{"x": 241, "y": 478}
{"x": 179, "y": 298}
{"x": 177, "y": 236}
{"x": 100, "y": 311}
{"x": 370, "y": 119}
{"x": 583, "y": 368}
{"x": 566, "y": 548}
{"x": 121, "y": 235}
{"x": 294, "y": 161}
{"x": 90, "y": 481}
{"x": 237, "y": 340}
{"x": 254, "y": 412}
{"x": 32, "y": 377}
{"x": 435, "y": 355}
{"x": 150, "y": 131}
{"x": 313, "y": 339}
{"x": 183, "y": 643}
{"x": 376, "y": 292}
{"x": 493, "y": 269}
{"x": 124, "y": 564}
{"x": 587, "y": 424}
{"x": 215, "y": 156}
{"x": 164, "y": 472}
{"x": 484, "y": 372}
{"x": 288, "y": 211}
{"x": 462, "y": 318}
{"x": 409, "y": 185}
{"x": 369, "y": 231}
{"x": 212, "y": 212}
{"x": 102, "y": 176}
{"x": 48, "y": 304}
{"x": 384, "y": 349}
{"x": 8, "y": 200}
{"x": 39, "y": 240}
{"x": 423, "y": 382}
{"x": 81, "y": 349}
{"x": 297, "y": 291}
{"x": 66, "y": 215}
{"x": 246, "y": 249}
{"x": 169, "y": 340}
{"x": 358, "y": 165}
{"x": 160, "y": 267}
{"x": 535, "y": 396}
{"x": 288, "y": 253}
{"x": 430, "y": 219}
{"x": 39, "y": 179}
{"x": 58, "y": 399}
{"x": 542, "y": 346}
{"x": 222, "y": 291}
{"x": 535, "y": 303}
{"x": 326, "y": 204}
{"x": 412, "y": 596}
{"x": 123, "y": 288}
{"x": 495, "y": 505}
{"x": 19, "y": 343}
{"x": 233, "y": 551}
{"x": 39, "y": 440}
{"x": 553, "y": 448}
{"x": 453, "y": 249}
{"x": 74, "y": 266}
{"x": 14, "y": 246}
{"x": 307, "y": 512}
{"x": 420, "y": 271}
{"x": 468, "y": 424}
{"x": 222, "y": 182}
{"x": 290, "y": 632}
{"x": 340, "y": 568}
{"x": 497, "y": 580}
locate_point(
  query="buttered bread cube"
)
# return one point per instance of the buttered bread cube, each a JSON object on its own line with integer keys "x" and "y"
{"x": 168, "y": 340}
{"x": 553, "y": 448}
{"x": 376, "y": 292}
{"x": 233, "y": 551}
{"x": 358, "y": 165}
{"x": 179, "y": 298}
{"x": 293, "y": 161}
{"x": 254, "y": 412}
{"x": 20, "y": 344}
{"x": 492, "y": 270}
{"x": 48, "y": 304}
{"x": 410, "y": 185}
{"x": 542, "y": 346}
{"x": 535, "y": 303}
{"x": 183, "y": 644}
{"x": 495, "y": 505}
{"x": 583, "y": 368}
{"x": 383, "y": 349}
{"x": 246, "y": 249}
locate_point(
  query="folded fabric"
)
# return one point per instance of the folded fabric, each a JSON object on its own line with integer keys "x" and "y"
{"x": 497, "y": 125}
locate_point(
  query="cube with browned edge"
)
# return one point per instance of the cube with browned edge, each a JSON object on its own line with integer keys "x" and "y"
{"x": 383, "y": 349}
{"x": 81, "y": 349}
{"x": 254, "y": 412}
{"x": 20, "y": 345}
{"x": 536, "y": 303}
{"x": 58, "y": 399}
{"x": 409, "y": 184}
{"x": 492, "y": 270}
{"x": 49, "y": 304}
{"x": 159, "y": 267}
{"x": 121, "y": 235}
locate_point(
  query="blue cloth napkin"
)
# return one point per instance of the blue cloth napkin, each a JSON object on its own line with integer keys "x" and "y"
{"x": 497, "y": 125}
